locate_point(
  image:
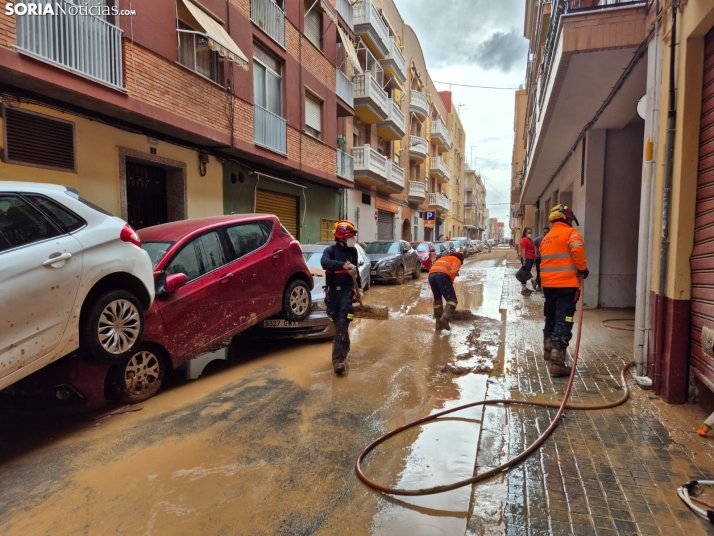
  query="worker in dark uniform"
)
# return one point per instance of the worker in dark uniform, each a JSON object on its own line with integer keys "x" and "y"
{"x": 340, "y": 264}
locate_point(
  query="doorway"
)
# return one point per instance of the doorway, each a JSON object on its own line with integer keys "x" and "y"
{"x": 147, "y": 201}
{"x": 406, "y": 231}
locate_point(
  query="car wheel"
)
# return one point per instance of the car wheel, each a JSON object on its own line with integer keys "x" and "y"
{"x": 112, "y": 326}
{"x": 399, "y": 279}
{"x": 140, "y": 377}
{"x": 416, "y": 274}
{"x": 297, "y": 301}
{"x": 369, "y": 282}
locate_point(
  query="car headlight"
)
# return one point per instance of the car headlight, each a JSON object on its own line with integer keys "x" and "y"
{"x": 388, "y": 264}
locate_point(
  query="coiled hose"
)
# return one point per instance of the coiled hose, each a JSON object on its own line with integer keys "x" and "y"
{"x": 562, "y": 406}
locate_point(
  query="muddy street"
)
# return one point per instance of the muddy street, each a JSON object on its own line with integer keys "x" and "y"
{"x": 267, "y": 446}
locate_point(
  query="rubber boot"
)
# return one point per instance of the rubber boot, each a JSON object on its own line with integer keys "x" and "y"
{"x": 557, "y": 362}
{"x": 438, "y": 310}
{"x": 339, "y": 367}
{"x": 547, "y": 347}
{"x": 445, "y": 320}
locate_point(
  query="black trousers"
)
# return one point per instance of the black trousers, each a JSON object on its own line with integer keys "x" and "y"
{"x": 559, "y": 310}
{"x": 340, "y": 310}
{"x": 442, "y": 287}
{"x": 537, "y": 265}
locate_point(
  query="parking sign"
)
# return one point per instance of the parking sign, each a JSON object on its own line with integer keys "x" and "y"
{"x": 429, "y": 215}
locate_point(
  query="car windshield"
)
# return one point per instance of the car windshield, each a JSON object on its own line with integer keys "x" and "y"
{"x": 156, "y": 250}
{"x": 312, "y": 259}
{"x": 422, "y": 248}
{"x": 382, "y": 247}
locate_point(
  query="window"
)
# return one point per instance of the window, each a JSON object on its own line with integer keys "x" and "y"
{"x": 199, "y": 257}
{"x": 21, "y": 224}
{"x": 313, "y": 115}
{"x": 249, "y": 237}
{"x": 355, "y": 140}
{"x": 64, "y": 219}
{"x": 327, "y": 228}
{"x": 38, "y": 140}
{"x": 366, "y": 199}
{"x": 195, "y": 53}
{"x": 267, "y": 81}
{"x": 313, "y": 20}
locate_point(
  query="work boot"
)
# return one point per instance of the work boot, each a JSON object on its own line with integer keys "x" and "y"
{"x": 445, "y": 321}
{"x": 339, "y": 367}
{"x": 557, "y": 362}
{"x": 526, "y": 291}
{"x": 438, "y": 310}
{"x": 547, "y": 347}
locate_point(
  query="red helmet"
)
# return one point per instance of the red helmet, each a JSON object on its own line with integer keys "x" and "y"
{"x": 345, "y": 229}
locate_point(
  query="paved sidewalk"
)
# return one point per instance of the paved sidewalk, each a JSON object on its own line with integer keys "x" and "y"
{"x": 602, "y": 472}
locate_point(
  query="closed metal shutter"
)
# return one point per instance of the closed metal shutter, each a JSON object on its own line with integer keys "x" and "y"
{"x": 702, "y": 260}
{"x": 312, "y": 25}
{"x": 385, "y": 225}
{"x": 284, "y": 206}
{"x": 313, "y": 114}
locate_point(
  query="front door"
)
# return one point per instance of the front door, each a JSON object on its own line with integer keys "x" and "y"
{"x": 146, "y": 195}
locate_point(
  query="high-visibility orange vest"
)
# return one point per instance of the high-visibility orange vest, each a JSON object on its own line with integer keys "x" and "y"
{"x": 562, "y": 254}
{"x": 447, "y": 265}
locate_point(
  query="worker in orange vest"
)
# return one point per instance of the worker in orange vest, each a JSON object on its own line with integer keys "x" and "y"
{"x": 441, "y": 280}
{"x": 562, "y": 264}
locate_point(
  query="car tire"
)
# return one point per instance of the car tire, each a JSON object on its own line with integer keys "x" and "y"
{"x": 297, "y": 301}
{"x": 416, "y": 274}
{"x": 369, "y": 282}
{"x": 112, "y": 326}
{"x": 140, "y": 377}
{"x": 399, "y": 279}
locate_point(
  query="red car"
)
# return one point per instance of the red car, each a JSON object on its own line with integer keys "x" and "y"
{"x": 215, "y": 277}
{"x": 426, "y": 252}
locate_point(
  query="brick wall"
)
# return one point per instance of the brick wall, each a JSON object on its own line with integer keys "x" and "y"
{"x": 312, "y": 59}
{"x": 242, "y": 6}
{"x": 7, "y": 29}
{"x": 318, "y": 155}
{"x": 603, "y": 30}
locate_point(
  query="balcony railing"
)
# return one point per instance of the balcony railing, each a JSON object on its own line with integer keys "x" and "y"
{"x": 270, "y": 18}
{"x": 439, "y": 201}
{"x": 345, "y": 89}
{"x": 438, "y": 165}
{"x": 365, "y": 13}
{"x": 345, "y": 166}
{"x": 366, "y": 158}
{"x": 365, "y": 86}
{"x": 417, "y": 190}
{"x": 82, "y": 43}
{"x": 419, "y": 103}
{"x": 396, "y": 175}
{"x": 418, "y": 146}
{"x": 396, "y": 57}
{"x": 346, "y": 11}
{"x": 438, "y": 129}
{"x": 270, "y": 130}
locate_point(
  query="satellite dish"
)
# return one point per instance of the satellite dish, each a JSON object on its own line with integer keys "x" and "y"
{"x": 642, "y": 106}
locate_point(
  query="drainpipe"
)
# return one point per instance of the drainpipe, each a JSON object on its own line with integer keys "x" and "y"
{"x": 668, "y": 170}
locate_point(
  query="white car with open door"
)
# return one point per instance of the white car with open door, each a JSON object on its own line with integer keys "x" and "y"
{"x": 71, "y": 276}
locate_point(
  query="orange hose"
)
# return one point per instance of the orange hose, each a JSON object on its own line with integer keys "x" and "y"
{"x": 562, "y": 406}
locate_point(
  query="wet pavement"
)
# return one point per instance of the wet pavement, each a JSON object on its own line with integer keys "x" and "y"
{"x": 268, "y": 445}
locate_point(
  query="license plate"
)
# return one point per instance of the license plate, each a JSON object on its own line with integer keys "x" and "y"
{"x": 373, "y": 272}
{"x": 279, "y": 324}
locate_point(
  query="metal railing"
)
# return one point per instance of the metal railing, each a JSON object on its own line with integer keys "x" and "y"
{"x": 366, "y": 13}
{"x": 417, "y": 189}
{"x": 270, "y": 18}
{"x": 345, "y": 166}
{"x": 418, "y": 145}
{"x": 346, "y": 11}
{"x": 396, "y": 55}
{"x": 366, "y": 158}
{"x": 438, "y": 164}
{"x": 396, "y": 175}
{"x": 396, "y": 115}
{"x": 367, "y": 87}
{"x": 270, "y": 130}
{"x": 439, "y": 200}
{"x": 419, "y": 100}
{"x": 439, "y": 128}
{"x": 80, "y": 42}
{"x": 344, "y": 88}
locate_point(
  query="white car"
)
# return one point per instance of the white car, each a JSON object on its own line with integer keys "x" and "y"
{"x": 71, "y": 276}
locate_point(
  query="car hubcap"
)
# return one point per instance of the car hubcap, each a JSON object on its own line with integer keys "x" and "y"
{"x": 119, "y": 326}
{"x": 141, "y": 373}
{"x": 299, "y": 300}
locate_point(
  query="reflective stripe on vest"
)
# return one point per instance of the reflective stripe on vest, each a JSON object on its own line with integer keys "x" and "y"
{"x": 558, "y": 269}
{"x": 557, "y": 266}
{"x": 337, "y": 271}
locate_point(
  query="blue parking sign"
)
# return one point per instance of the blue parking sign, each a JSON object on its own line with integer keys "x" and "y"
{"x": 429, "y": 215}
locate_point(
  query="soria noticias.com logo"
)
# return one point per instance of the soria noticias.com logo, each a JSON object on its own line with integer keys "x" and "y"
{"x": 64, "y": 8}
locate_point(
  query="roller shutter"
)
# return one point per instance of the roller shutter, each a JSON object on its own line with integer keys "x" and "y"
{"x": 284, "y": 206}
{"x": 385, "y": 225}
{"x": 702, "y": 260}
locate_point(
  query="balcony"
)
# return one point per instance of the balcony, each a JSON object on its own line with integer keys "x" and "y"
{"x": 345, "y": 166}
{"x": 395, "y": 179}
{"x": 394, "y": 64}
{"x": 269, "y": 130}
{"x": 370, "y": 100}
{"x": 370, "y": 167}
{"x": 371, "y": 28}
{"x": 85, "y": 44}
{"x": 418, "y": 149}
{"x": 395, "y": 127}
{"x": 440, "y": 136}
{"x": 345, "y": 89}
{"x": 439, "y": 170}
{"x": 439, "y": 202}
{"x": 269, "y": 18}
{"x": 419, "y": 105}
{"x": 344, "y": 8}
{"x": 515, "y": 195}
{"x": 417, "y": 192}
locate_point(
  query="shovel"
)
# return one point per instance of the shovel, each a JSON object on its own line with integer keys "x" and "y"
{"x": 372, "y": 312}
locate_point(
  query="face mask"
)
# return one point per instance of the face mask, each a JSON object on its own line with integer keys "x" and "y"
{"x": 529, "y": 235}
{"x": 351, "y": 242}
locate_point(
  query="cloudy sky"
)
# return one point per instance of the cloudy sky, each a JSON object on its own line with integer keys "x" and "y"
{"x": 477, "y": 42}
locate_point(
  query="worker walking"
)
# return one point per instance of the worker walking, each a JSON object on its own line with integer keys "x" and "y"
{"x": 536, "y": 243}
{"x": 563, "y": 262}
{"x": 528, "y": 258}
{"x": 441, "y": 280}
{"x": 340, "y": 264}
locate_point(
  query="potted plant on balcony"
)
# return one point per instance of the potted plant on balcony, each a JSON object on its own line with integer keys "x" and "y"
{"x": 341, "y": 143}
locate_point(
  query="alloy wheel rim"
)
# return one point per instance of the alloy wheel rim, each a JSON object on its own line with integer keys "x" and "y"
{"x": 118, "y": 328}
{"x": 141, "y": 373}
{"x": 298, "y": 300}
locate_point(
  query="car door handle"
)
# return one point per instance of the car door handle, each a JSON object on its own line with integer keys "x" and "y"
{"x": 59, "y": 258}
{"x": 225, "y": 278}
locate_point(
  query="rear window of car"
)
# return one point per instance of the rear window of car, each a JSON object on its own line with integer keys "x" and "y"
{"x": 74, "y": 195}
{"x": 21, "y": 223}
{"x": 156, "y": 250}
{"x": 65, "y": 219}
{"x": 422, "y": 248}
{"x": 383, "y": 247}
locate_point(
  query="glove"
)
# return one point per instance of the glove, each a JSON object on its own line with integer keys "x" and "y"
{"x": 584, "y": 273}
{"x": 357, "y": 294}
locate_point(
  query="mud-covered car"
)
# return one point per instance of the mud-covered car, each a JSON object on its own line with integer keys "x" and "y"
{"x": 392, "y": 261}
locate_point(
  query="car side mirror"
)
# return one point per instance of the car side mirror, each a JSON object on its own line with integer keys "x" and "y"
{"x": 175, "y": 282}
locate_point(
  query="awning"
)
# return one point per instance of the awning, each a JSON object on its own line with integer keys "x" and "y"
{"x": 218, "y": 39}
{"x": 326, "y": 9}
{"x": 350, "y": 49}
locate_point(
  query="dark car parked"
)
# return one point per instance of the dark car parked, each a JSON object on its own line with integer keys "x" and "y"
{"x": 444, "y": 249}
{"x": 392, "y": 260}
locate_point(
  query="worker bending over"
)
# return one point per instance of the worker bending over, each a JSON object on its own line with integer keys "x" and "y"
{"x": 441, "y": 280}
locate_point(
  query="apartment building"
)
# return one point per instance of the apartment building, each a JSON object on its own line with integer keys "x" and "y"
{"x": 475, "y": 212}
{"x": 455, "y": 161}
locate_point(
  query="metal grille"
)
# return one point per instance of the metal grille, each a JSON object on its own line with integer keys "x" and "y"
{"x": 270, "y": 130}
{"x": 385, "y": 225}
{"x": 270, "y": 18}
{"x": 38, "y": 140}
{"x": 284, "y": 206}
{"x": 146, "y": 195}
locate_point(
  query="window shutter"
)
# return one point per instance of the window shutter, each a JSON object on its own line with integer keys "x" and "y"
{"x": 313, "y": 113}
{"x": 38, "y": 140}
{"x": 312, "y": 26}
